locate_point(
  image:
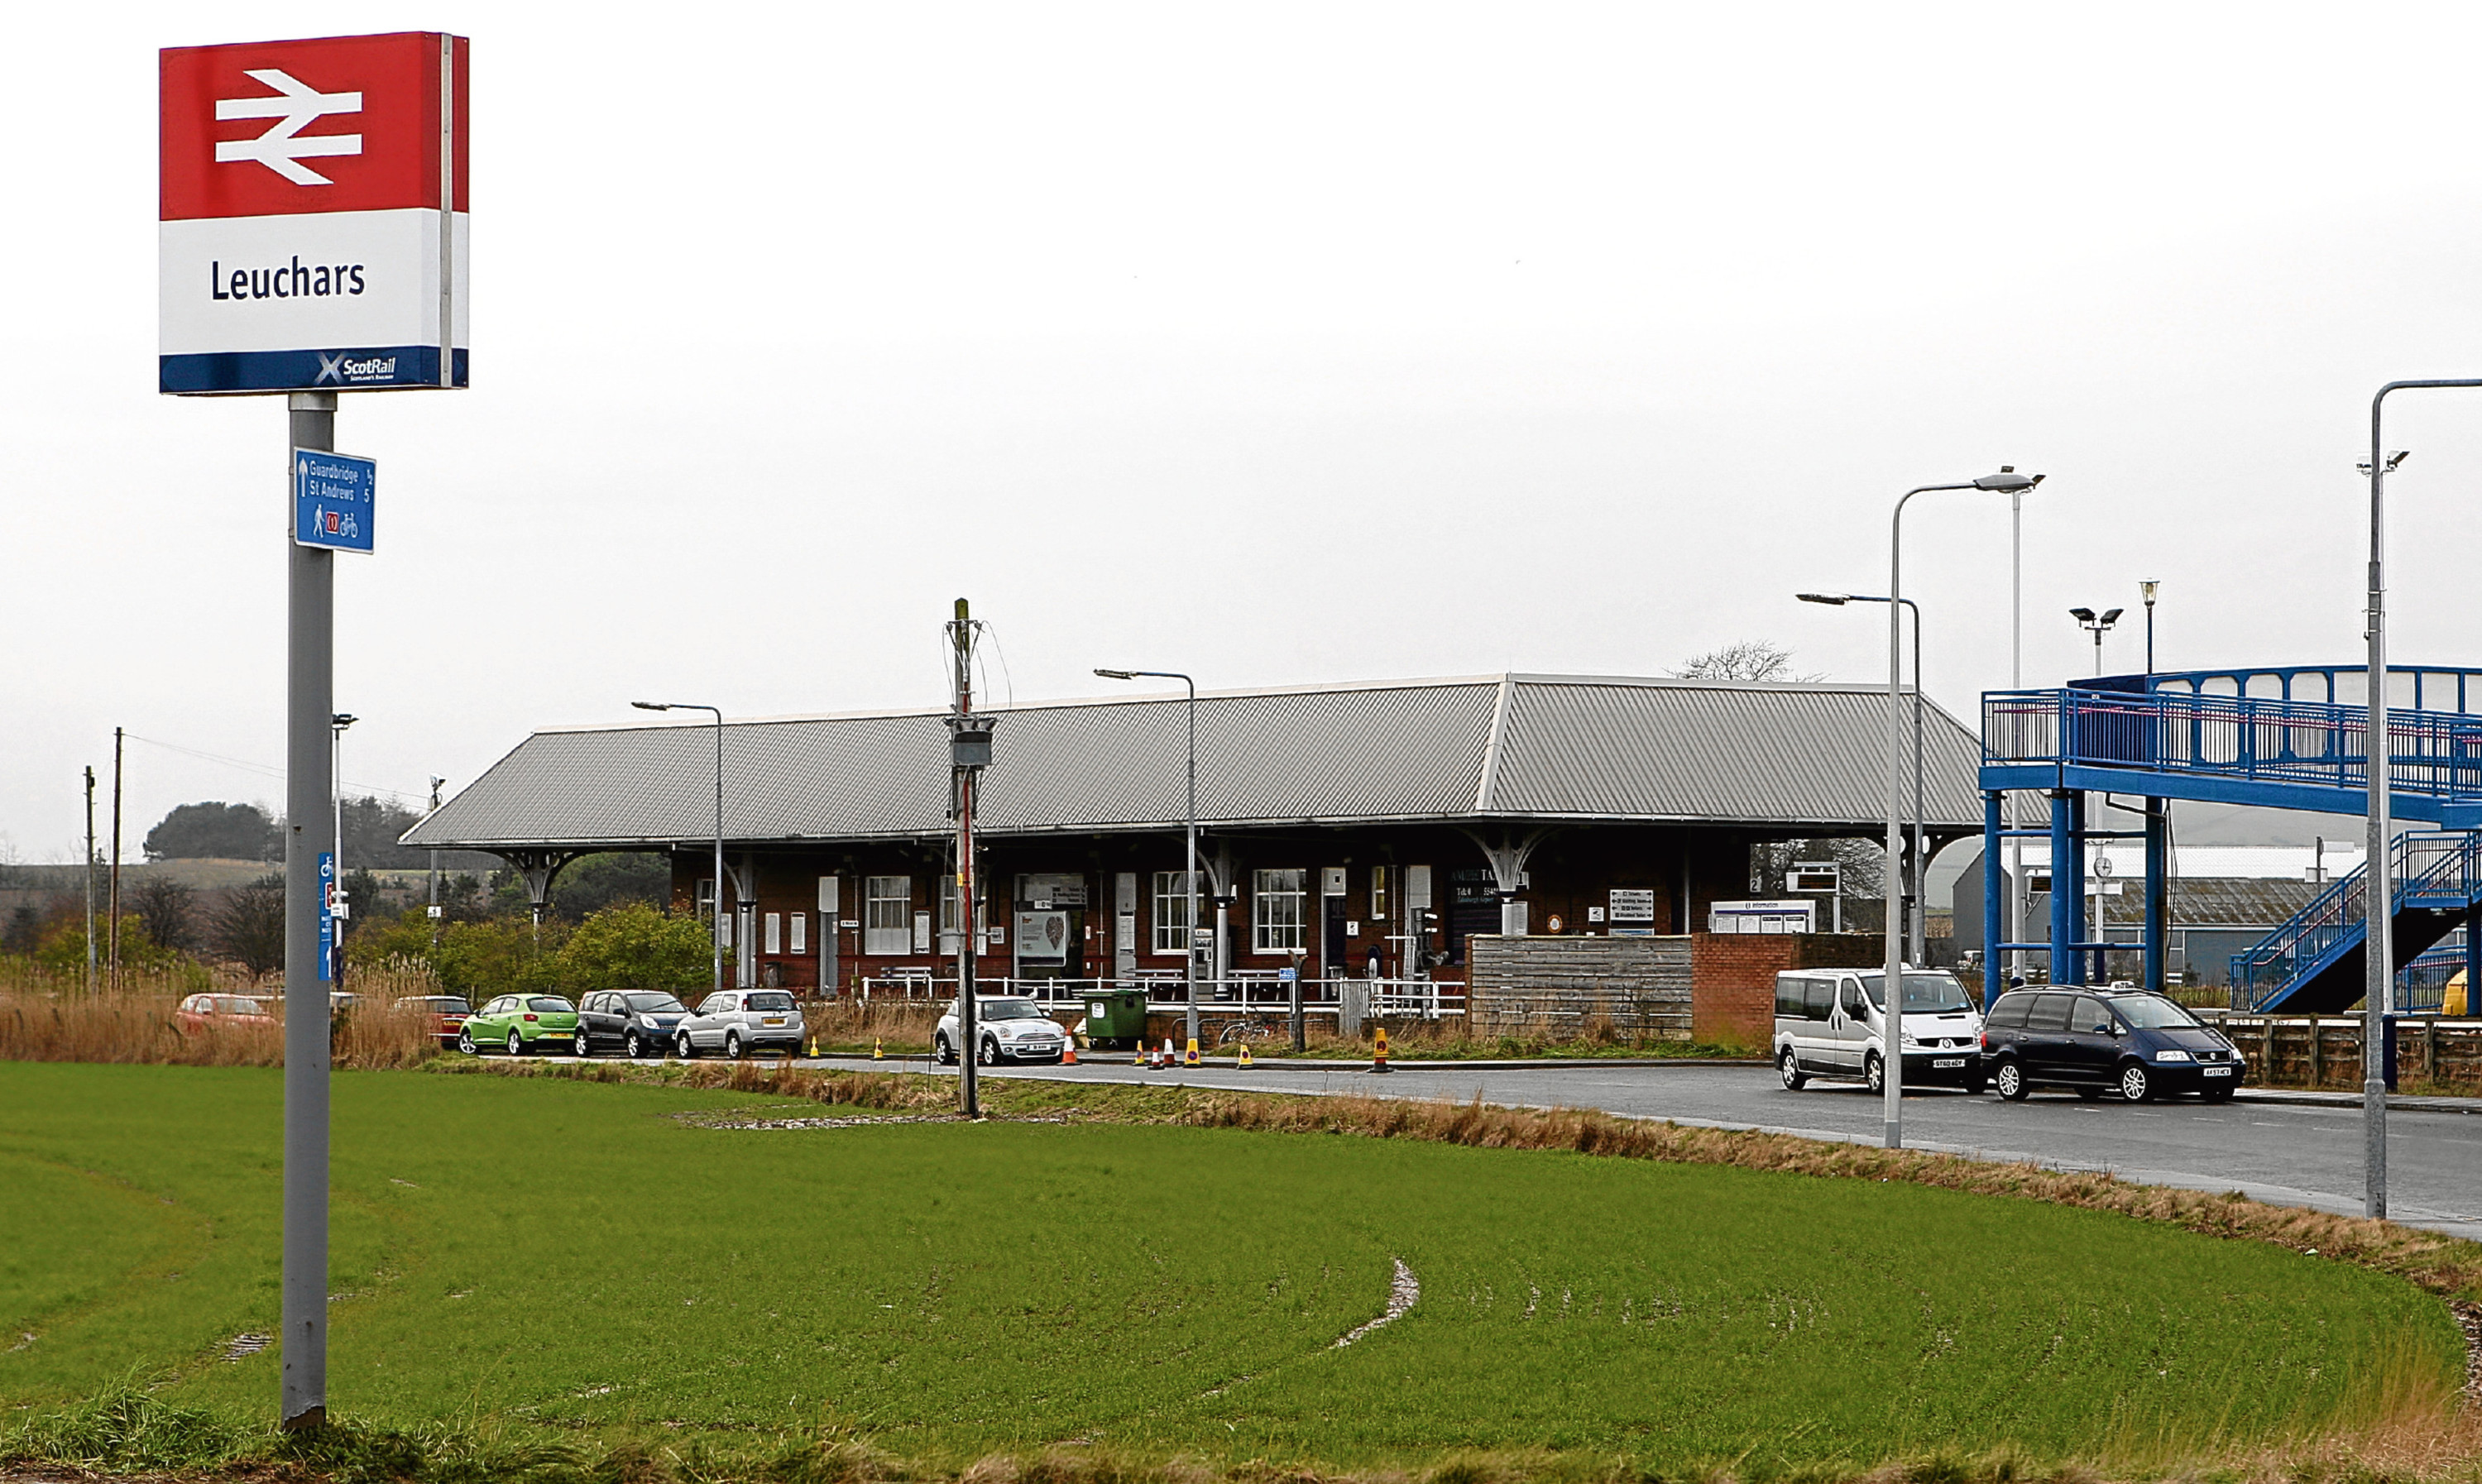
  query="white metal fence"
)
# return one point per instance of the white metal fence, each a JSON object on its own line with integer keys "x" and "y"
{"x": 1256, "y": 995}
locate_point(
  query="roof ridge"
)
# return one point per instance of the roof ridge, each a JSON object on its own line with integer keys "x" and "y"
{"x": 1505, "y": 679}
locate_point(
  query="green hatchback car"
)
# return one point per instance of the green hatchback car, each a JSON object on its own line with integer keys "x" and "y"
{"x": 520, "y": 1022}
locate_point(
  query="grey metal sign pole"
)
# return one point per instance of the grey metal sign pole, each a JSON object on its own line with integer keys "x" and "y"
{"x": 2378, "y": 890}
{"x": 310, "y": 706}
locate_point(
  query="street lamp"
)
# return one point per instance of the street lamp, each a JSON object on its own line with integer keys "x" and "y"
{"x": 1892, "y": 1040}
{"x": 2098, "y": 626}
{"x": 1918, "y": 867}
{"x": 2378, "y": 892}
{"x": 1189, "y": 878}
{"x": 715, "y": 927}
{"x": 2146, "y": 589}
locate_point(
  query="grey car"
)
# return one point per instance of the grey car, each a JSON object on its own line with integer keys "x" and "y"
{"x": 640, "y": 1022}
{"x": 1007, "y": 1029}
{"x": 740, "y": 1021}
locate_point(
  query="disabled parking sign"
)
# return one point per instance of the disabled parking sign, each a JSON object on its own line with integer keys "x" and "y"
{"x": 333, "y": 498}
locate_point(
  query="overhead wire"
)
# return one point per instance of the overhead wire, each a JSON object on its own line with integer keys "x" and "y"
{"x": 270, "y": 771}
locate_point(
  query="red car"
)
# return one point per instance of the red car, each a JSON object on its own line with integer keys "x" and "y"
{"x": 200, "y": 1011}
{"x": 448, "y": 1013}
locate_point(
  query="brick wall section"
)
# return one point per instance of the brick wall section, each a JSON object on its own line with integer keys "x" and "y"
{"x": 1557, "y": 985}
{"x": 1734, "y": 976}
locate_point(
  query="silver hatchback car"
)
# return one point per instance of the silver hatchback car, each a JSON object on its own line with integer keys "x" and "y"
{"x": 740, "y": 1021}
{"x": 1009, "y": 1028}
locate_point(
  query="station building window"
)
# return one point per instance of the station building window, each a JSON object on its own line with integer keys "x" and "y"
{"x": 1172, "y": 912}
{"x": 1276, "y": 900}
{"x": 887, "y": 915}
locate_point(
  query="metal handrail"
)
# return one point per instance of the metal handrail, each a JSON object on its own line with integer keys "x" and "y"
{"x": 2422, "y": 864}
{"x": 2433, "y": 753}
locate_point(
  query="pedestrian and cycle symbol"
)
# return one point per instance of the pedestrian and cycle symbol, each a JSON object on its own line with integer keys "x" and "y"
{"x": 333, "y": 499}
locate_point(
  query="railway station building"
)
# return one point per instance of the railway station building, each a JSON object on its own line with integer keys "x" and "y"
{"x": 1365, "y": 830}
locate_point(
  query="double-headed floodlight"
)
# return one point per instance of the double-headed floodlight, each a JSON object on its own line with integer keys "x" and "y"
{"x": 2096, "y": 625}
{"x": 715, "y": 927}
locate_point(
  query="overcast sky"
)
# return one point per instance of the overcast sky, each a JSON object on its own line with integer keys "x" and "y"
{"x": 1284, "y": 344}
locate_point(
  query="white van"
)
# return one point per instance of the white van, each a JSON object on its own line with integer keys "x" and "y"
{"x": 1830, "y": 1024}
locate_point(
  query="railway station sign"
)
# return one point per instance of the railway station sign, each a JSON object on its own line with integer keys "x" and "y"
{"x": 313, "y": 224}
{"x": 333, "y": 499}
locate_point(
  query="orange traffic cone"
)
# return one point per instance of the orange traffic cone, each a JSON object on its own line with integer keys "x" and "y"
{"x": 1246, "y": 1063}
{"x": 1170, "y": 1059}
{"x": 1069, "y": 1050}
{"x": 1378, "y": 1052}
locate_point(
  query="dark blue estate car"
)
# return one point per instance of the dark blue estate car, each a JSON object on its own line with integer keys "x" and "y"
{"x": 2090, "y": 1042}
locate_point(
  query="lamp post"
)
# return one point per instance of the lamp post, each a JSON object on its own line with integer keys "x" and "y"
{"x": 2098, "y": 626}
{"x": 1916, "y": 922}
{"x": 715, "y": 926}
{"x": 2146, "y": 589}
{"x": 1891, "y": 1040}
{"x": 2377, "y": 898}
{"x": 1189, "y": 878}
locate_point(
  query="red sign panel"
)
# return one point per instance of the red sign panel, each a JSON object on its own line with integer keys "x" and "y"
{"x": 341, "y": 124}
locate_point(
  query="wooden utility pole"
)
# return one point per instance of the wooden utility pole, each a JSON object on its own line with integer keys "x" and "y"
{"x": 89, "y": 881}
{"x": 966, "y": 761}
{"x": 116, "y": 857}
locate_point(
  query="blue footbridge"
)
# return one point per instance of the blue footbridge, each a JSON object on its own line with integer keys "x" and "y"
{"x": 2109, "y": 754}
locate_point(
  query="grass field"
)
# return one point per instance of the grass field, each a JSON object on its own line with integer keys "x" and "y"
{"x": 586, "y": 1260}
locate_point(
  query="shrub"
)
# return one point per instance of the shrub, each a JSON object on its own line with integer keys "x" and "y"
{"x": 499, "y": 956}
{"x": 64, "y": 952}
{"x": 634, "y": 946}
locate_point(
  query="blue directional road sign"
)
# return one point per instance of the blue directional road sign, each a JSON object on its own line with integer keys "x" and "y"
{"x": 326, "y": 915}
{"x": 333, "y": 499}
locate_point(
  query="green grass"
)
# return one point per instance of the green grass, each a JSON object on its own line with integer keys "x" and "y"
{"x": 570, "y": 1260}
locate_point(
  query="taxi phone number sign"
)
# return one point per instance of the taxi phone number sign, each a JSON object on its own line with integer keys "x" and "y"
{"x": 334, "y": 498}
{"x": 312, "y": 216}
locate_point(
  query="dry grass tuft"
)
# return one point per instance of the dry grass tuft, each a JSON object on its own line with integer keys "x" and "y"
{"x": 883, "y": 1091}
{"x": 142, "y": 1027}
{"x": 852, "y": 1024}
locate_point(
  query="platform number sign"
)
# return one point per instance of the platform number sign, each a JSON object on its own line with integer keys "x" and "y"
{"x": 312, "y": 214}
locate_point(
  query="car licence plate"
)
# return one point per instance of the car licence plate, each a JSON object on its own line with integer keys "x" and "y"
{"x": 772, "y": 1020}
{"x": 1949, "y": 1061}
{"x": 2216, "y": 1072}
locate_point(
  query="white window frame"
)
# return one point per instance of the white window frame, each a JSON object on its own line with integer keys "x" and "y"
{"x": 1280, "y": 911}
{"x": 800, "y": 922}
{"x": 888, "y": 897}
{"x": 1171, "y": 924}
{"x": 774, "y": 933}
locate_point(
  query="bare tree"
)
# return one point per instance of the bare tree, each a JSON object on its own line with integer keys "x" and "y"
{"x": 170, "y": 912}
{"x": 1751, "y": 659}
{"x": 248, "y": 925}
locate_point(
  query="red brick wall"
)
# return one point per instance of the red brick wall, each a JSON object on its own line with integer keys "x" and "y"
{"x": 1733, "y": 976}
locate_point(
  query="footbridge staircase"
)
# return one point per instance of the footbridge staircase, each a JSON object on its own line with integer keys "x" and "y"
{"x": 2292, "y": 737}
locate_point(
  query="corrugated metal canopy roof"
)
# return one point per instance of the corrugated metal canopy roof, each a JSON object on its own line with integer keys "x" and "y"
{"x": 1493, "y": 747}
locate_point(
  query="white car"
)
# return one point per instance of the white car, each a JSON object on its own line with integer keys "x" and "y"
{"x": 740, "y": 1021}
{"x": 1007, "y": 1029}
{"x": 1831, "y": 1022}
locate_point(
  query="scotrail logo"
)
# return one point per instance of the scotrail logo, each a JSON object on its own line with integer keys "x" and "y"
{"x": 296, "y": 106}
{"x": 340, "y": 369}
